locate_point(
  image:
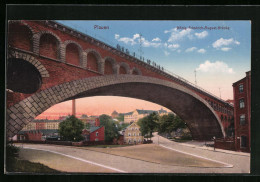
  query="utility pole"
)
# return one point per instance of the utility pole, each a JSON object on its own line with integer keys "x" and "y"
{"x": 140, "y": 46}
{"x": 195, "y": 72}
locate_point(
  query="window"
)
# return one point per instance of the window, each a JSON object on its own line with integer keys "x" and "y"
{"x": 242, "y": 119}
{"x": 129, "y": 134}
{"x": 241, "y": 103}
{"x": 96, "y": 133}
{"x": 243, "y": 142}
{"x": 134, "y": 134}
{"x": 241, "y": 88}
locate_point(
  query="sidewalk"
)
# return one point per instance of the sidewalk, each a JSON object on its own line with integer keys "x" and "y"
{"x": 199, "y": 145}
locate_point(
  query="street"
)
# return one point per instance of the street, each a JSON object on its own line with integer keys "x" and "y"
{"x": 167, "y": 157}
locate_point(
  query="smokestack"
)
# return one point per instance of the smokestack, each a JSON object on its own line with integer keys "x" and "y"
{"x": 74, "y": 107}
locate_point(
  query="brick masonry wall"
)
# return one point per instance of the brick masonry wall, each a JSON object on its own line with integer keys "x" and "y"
{"x": 57, "y": 64}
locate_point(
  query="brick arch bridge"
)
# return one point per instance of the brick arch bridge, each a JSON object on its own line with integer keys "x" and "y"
{"x": 74, "y": 65}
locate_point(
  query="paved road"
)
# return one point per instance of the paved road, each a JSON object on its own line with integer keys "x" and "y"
{"x": 239, "y": 161}
{"x": 76, "y": 159}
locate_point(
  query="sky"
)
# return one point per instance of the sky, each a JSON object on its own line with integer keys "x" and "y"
{"x": 219, "y": 52}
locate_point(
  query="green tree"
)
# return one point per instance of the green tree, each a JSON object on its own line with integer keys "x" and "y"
{"x": 87, "y": 126}
{"x": 71, "y": 129}
{"x": 165, "y": 123}
{"x": 111, "y": 130}
{"x": 120, "y": 117}
{"x": 148, "y": 124}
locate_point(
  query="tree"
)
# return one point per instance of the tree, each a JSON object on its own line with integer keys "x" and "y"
{"x": 120, "y": 117}
{"x": 165, "y": 124}
{"x": 111, "y": 130}
{"x": 71, "y": 129}
{"x": 148, "y": 124}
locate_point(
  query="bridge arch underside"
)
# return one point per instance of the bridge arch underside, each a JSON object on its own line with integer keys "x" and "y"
{"x": 200, "y": 118}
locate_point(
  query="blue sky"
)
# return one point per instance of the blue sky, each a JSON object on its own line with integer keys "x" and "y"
{"x": 219, "y": 56}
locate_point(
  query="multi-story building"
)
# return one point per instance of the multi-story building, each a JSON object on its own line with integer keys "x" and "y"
{"x": 114, "y": 114}
{"x": 242, "y": 113}
{"x": 92, "y": 120}
{"x": 138, "y": 114}
{"x": 132, "y": 134}
{"x": 29, "y": 126}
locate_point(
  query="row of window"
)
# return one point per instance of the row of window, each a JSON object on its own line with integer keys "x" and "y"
{"x": 135, "y": 134}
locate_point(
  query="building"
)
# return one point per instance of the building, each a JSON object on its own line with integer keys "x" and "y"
{"x": 132, "y": 134}
{"x": 29, "y": 126}
{"x": 242, "y": 113}
{"x": 94, "y": 133}
{"x": 92, "y": 120}
{"x": 114, "y": 114}
{"x": 37, "y": 135}
{"x": 138, "y": 114}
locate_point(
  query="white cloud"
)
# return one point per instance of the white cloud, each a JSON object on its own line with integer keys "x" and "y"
{"x": 225, "y": 48}
{"x": 191, "y": 49}
{"x": 157, "y": 39}
{"x": 127, "y": 40}
{"x": 201, "y": 51}
{"x": 136, "y": 36}
{"x": 172, "y": 47}
{"x": 136, "y": 39}
{"x": 202, "y": 34}
{"x": 214, "y": 67}
{"x": 224, "y": 42}
{"x": 177, "y": 35}
{"x": 116, "y": 36}
{"x": 166, "y": 53}
{"x": 178, "y": 50}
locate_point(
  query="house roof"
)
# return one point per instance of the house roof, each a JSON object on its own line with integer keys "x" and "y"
{"x": 43, "y": 131}
{"x": 114, "y": 112}
{"x": 94, "y": 128}
{"x": 45, "y": 121}
{"x": 145, "y": 111}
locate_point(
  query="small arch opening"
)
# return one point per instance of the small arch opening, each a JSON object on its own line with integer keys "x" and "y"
{"x": 92, "y": 62}
{"x": 72, "y": 54}
{"x": 22, "y": 76}
{"x": 20, "y": 36}
{"x": 49, "y": 46}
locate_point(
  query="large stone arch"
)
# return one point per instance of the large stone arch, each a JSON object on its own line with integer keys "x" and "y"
{"x": 63, "y": 51}
{"x": 36, "y": 42}
{"x": 98, "y": 57}
{"x": 200, "y": 117}
{"x": 31, "y": 59}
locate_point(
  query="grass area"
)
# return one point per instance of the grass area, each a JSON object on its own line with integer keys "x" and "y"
{"x": 108, "y": 146}
{"x": 14, "y": 164}
{"x": 17, "y": 165}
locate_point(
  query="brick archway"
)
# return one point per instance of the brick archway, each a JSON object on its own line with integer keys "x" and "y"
{"x": 100, "y": 61}
{"x": 82, "y": 57}
{"x": 136, "y": 70}
{"x": 36, "y": 42}
{"x": 26, "y": 110}
{"x": 27, "y": 57}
